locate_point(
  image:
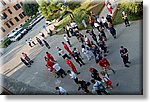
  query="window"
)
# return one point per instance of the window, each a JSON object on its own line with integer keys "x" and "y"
{"x": 18, "y": 6}
{"x": 20, "y": 15}
{"x": 21, "y": 3}
{"x": 15, "y": 7}
{"x": 3, "y": 30}
{"x": 11, "y": 23}
{"x": 3, "y": 3}
{"x": 3, "y": 16}
{"x": 8, "y": 25}
{"x": 16, "y": 18}
{"x": 23, "y": 14}
{"x": 9, "y": 11}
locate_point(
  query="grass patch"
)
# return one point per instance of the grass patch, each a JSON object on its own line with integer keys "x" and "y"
{"x": 80, "y": 13}
{"x": 118, "y": 18}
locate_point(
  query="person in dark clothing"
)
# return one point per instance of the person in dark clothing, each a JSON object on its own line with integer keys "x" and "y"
{"x": 112, "y": 30}
{"x": 109, "y": 18}
{"x": 91, "y": 32}
{"x": 125, "y": 18}
{"x": 46, "y": 44}
{"x": 98, "y": 57}
{"x": 24, "y": 61}
{"x": 77, "y": 58}
{"x": 94, "y": 74}
{"x": 39, "y": 41}
{"x": 125, "y": 56}
{"x": 62, "y": 53}
{"x": 103, "y": 45}
{"x": 84, "y": 86}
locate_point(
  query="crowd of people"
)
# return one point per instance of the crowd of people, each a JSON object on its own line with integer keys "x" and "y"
{"x": 95, "y": 48}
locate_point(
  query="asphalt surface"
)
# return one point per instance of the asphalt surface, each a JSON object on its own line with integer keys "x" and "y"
{"x": 129, "y": 79}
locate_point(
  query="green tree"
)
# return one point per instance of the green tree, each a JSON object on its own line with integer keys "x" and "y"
{"x": 133, "y": 8}
{"x": 54, "y": 9}
{"x": 30, "y": 8}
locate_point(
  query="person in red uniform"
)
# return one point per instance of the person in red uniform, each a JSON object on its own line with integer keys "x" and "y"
{"x": 49, "y": 65}
{"x": 70, "y": 64}
{"x": 66, "y": 48}
{"x": 49, "y": 57}
{"x": 105, "y": 65}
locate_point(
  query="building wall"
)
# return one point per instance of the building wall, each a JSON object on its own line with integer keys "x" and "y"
{"x": 6, "y": 23}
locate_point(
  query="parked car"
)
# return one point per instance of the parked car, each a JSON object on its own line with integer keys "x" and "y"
{"x": 18, "y": 34}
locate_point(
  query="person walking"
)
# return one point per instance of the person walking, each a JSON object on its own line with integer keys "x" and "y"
{"x": 124, "y": 54}
{"x": 24, "y": 61}
{"x": 85, "y": 51}
{"x": 29, "y": 43}
{"x": 62, "y": 53}
{"x": 67, "y": 40}
{"x": 61, "y": 91}
{"x": 46, "y": 44}
{"x": 94, "y": 74}
{"x": 104, "y": 21}
{"x": 42, "y": 34}
{"x": 77, "y": 58}
{"x": 98, "y": 57}
{"x": 75, "y": 50}
{"x": 49, "y": 57}
{"x": 30, "y": 39}
{"x": 105, "y": 65}
{"x": 112, "y": 30}
{"x": 26, "y": 57}
{"x": 125, "y": 18}
{"x": 39, "y": 41}
{"x": 66, "y": 48}
{"x": 49, "y": 65}
{"x": 84, "y": 86}
{"x": 72, "y": 66}
{"x": 59, "y": 70}
{"x": 102, "y": 45}
{"x": 91, "y": 21}
{"x": 109, "y": 18}
{"x": 73, "y": 76}
{"x": 84, "y": 23}
{"x": 99, "y": 88}
{"x": 67, "y": 28}
{"x": 106, "y": 79}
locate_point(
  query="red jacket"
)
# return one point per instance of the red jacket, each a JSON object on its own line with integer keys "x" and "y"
{"x": 49, "y": 56}
{"x": 69, "y": 63}
{"x": 67, "y": 48}
{"x": 49, "y": 65}
{"x": 104, "y": 62}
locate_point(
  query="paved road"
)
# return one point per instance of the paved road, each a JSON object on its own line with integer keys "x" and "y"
{"x": 37, "y": 76}
{"x": 129, "y": 78}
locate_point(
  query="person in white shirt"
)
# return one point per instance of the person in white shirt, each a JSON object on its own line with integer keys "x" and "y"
{"x": 59, "y": 70}
{"x": 84, "y": 23}
{"x": 67, "y": 40}
{"x": 96, "y": 24}
{"x": 104, "y": 21}
{"x": 85, "y": 51}
{"x": 73, "y": 76}
{"x": 99, "y": 88}
{"x": 61, "y": 90}
{"x": 62, "y": 53}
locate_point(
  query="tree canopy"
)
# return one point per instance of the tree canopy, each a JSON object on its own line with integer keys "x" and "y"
{"x": 133, "y": 7}
{"x": 30, "y": 8}
{"x": 54, "y": 9}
